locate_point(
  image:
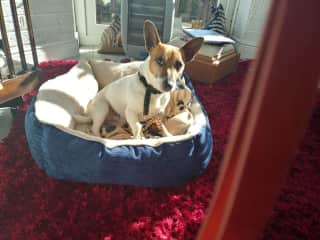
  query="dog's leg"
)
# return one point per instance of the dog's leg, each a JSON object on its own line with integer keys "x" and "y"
{"x": 98, "y": 116}
{"x": 165, "y": 131}
{"x": 97, "y": 125}
{"x": 135, "y": 125}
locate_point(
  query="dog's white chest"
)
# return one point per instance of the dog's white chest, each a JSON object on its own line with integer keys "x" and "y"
{"x": 156, "y": 105}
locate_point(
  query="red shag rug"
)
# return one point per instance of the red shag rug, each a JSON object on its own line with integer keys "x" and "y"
{"x": 34, "y": 206}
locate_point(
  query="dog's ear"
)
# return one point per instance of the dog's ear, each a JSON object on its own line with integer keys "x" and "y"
{"x": 191, "y": 48}
{"x": 151, "y": 35}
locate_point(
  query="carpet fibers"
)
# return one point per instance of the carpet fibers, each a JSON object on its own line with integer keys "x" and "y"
{"x": 34, "y": 206}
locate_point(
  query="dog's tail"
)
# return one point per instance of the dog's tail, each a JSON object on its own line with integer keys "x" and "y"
{"x": 82, "y": 118}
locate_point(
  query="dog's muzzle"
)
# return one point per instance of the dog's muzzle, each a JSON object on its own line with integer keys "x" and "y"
{"x": 180, "y": 85}
{"x": 168, "y": 85}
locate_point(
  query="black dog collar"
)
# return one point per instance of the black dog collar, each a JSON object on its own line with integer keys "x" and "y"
{"x": 149, "y": 90}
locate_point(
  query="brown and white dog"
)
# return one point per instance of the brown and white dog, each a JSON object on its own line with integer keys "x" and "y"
{"x": 145, "y": 94}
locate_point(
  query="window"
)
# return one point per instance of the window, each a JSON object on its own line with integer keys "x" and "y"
{"x": 92, "y": 17}
{"x": 105, "y": 9}
{"x": 190, "y": 10}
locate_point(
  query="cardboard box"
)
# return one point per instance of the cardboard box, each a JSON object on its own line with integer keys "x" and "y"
{"x": 212, "y": 62}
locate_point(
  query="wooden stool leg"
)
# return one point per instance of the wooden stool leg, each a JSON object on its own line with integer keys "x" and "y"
{"x": 19, "y": 85}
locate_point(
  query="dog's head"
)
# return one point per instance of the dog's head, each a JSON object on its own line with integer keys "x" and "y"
{"x": 166, "y": 62}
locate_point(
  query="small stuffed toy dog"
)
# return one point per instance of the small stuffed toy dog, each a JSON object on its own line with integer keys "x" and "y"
{"x": 180, "y": 100}
{"x": 178, "y": 116}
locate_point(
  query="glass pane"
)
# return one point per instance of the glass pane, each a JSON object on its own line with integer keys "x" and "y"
{"x": 188, "y": 9}
{"x": 104, "y": 10}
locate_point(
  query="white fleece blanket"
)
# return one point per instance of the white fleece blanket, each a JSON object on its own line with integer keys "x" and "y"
{"x": 60, "y": 98}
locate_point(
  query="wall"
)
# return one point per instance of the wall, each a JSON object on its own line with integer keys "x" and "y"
{"x": 229, "y": 9}
{"x": 248, "y": 25}
{"x": 53, "y": 26}
{"x": 245, "y": 23}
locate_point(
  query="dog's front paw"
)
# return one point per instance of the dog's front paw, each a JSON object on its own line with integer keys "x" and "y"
{"x": 141, "y": 137}
{"x": 137, "y": 131}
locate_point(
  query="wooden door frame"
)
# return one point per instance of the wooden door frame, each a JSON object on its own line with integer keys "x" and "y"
{"x": 273, "y": 113}
{"x": 88, "y": 32}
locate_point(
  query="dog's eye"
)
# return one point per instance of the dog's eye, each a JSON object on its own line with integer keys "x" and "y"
{"x": 178, "y": 65}
{"x": 160, "y": 61}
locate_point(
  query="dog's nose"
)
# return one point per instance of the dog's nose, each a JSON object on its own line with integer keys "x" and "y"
{"x": 168, "y": 85}
{"x": 180, "y": 85}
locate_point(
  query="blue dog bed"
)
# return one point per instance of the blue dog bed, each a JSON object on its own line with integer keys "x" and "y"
{"x": 65, "y": 156}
